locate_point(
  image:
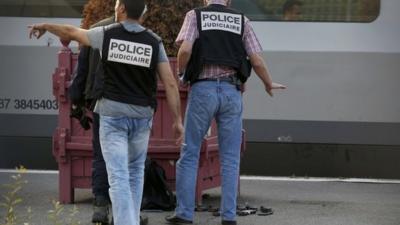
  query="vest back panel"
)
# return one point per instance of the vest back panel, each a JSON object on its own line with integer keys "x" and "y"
{"x": 130, "y": 62}
{"x": 221, "y": 35}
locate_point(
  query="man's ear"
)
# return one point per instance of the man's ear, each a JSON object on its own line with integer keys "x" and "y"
{"x": 122, "y": 8}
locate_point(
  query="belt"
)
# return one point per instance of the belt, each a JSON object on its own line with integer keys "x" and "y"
{"x": 230, "y": 79}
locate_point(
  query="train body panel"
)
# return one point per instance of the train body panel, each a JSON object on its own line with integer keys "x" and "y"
{"x": 342, "y": 80}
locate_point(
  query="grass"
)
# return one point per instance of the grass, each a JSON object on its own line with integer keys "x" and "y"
{"x": 11, "y": 202}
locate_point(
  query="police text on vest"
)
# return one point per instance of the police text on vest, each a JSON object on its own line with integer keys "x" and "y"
{"x": 221, "y": 21}
{"x": 130, "y": 53}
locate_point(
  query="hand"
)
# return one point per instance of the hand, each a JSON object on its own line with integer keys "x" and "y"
{"x": 36, "y": 30}
{"x": 179, "y": 132}
{"x": 273, "y": 86}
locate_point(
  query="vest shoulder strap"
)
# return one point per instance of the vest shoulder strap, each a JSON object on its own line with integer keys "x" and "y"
{"x": 112, "y": 26}
{"x": 158, "y": 38}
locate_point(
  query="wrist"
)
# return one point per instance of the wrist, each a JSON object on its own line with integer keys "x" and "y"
{"x": 178, "y": 120}
{"x": 44, "y": 26}
{"x": 268, "y": 84}
{"x": 181, "y": 73}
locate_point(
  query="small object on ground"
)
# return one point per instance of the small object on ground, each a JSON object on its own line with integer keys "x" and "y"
{"x": 240, "y": 207}
{"x": 265, "y": 211}
{"x": 201, "y": 208}
{"x": 246, "y": 212}
{"x": 153, "y": 210}
{"x": 249, "y": 207}
{"x": 205, "y": 196}
{"x": 216, "y": 213}
{"x": 212, "y": 209}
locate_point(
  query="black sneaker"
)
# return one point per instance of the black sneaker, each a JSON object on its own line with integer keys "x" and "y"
{"x": 101, "y": 210}
{"x": 144, "y": 220}
{"x": 173, "y": 219}
{"x": 228, "y": 222}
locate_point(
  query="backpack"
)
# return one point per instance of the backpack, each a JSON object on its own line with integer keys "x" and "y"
{"x": 156, "y": 194}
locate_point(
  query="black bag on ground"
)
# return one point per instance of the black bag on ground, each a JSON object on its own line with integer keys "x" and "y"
{"x": 156, "y": 193}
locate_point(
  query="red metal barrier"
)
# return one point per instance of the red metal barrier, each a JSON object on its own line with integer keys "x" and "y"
{"x": 72, "y": 145}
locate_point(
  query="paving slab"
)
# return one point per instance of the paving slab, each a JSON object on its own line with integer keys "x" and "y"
{"x": 293, "y": 202}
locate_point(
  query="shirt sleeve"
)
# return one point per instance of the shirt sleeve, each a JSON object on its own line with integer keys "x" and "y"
{"x": 96, "y": 37}
{"x": 250, "y": 40}
{"x": 189, "y": 30}
{"x": 162, "y": 54}
{"x": 77, "y": 88}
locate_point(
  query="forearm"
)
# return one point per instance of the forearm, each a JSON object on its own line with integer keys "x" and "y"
{"x": 171, "y": 89}
{"x": 263, "y": 73}
{"x": 184, "y": 54}
{"x": 261, "y": 69}
{"x": 68, "y": 32}
{"x": 182, "y": 60}
{"x": 174, "y": 103}
{"x": 60, "y": 30}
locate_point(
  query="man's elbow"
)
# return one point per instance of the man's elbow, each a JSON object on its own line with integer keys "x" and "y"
{"x": 70, "y": 32}
{"x": 258, "y": 64}
{"x": 171, "y": 85}
{"x": 79, "y": 35}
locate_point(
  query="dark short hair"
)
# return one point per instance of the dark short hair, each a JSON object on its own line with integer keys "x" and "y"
{"x": 290, "y": 3}
{"x": 134, "y": 8}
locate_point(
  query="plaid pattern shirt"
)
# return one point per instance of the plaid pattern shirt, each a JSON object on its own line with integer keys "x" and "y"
{"x": 189, "y": 32}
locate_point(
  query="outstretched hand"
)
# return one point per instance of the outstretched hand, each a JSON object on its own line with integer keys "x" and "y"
{"x": 273, "y": 86}
{"x": 36, "y": 30}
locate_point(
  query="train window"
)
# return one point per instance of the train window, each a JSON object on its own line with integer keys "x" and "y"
{"x": 310, "y": 10}
{"x": 42, "y": 8}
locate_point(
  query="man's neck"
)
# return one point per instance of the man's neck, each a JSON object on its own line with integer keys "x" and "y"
{"x": 127, "y": 20}
{"x": 217, "y": 2}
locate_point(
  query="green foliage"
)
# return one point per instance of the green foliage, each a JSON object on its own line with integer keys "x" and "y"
{"x": 56, "y": 215}
{"x": 11, "y": 200}
{"x": 72, "y": 215}
{"x": 165, "y": 17}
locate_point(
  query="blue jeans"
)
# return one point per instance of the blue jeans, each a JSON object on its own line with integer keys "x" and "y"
{"x": 124, "y": 143}
{"x": 208, "y": 100}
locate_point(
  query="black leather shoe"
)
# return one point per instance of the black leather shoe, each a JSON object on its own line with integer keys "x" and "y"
{"x": 101, "y": 210}
{"x": 173, "y": 219}
{"x": 228, "y": 222}
{"x": 144, "y": 220}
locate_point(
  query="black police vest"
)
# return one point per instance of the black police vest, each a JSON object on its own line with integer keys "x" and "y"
{"x": 220, "y": 40}
{"x": 129, "y": 63}
{"x": 221, "y": 33}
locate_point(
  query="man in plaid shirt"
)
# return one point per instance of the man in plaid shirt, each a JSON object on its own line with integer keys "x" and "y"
{"x": 214, "y": 94}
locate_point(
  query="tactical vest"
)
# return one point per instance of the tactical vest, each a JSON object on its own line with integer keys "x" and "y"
{"x": 129, "y": 63}
{"x": 220, "y": 40}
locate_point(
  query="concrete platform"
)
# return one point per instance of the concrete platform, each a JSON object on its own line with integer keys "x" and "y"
{"x": 294, "y": 202}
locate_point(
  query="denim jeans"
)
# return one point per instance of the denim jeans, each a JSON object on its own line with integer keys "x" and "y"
{"x": 124, "y": 143}
{"x": 208, "y": 100}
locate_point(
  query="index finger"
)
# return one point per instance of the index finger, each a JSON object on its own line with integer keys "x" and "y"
{"x": 31, "y": 33}
{"x": 31, "y": 30}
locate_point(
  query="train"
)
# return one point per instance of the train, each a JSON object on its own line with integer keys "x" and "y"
{"x": 339, "y": 116}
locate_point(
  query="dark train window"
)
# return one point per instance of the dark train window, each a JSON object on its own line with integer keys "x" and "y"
{"x": 310, "y": 10}
{"x": 42, "y": 8}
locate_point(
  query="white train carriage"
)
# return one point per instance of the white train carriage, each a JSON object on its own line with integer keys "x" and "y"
{"x": 340, "y": 60}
